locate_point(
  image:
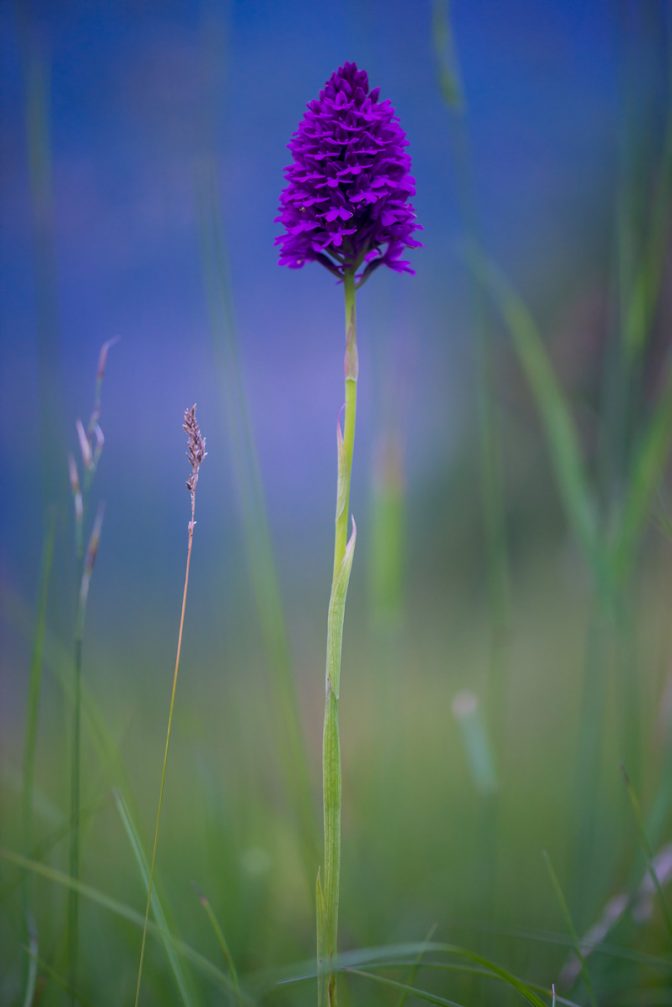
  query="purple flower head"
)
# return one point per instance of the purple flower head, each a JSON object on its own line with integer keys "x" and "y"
{"x": 346, "y": 202}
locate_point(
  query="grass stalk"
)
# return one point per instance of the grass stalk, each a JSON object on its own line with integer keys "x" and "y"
{"x": 415, "y": 967}
{"x": 648, "y": 852}
{"x": 489, "y": 443}
{"x": 119, "y": 909}
{"x": 222, "y": 942}
{"x": 31, "y": 977}
{"x": 157, "y": 907}
{"x": 566, "y": 912}
{"x": 34, "y": 693}
{"x": 35, "y": 683}
{"x": 36, "y": 115}
{"x": 328, "y": 880}
{"x": 196, "y": 454}
{"x": 91, "y": 443}
{"x": 76, "y": 754}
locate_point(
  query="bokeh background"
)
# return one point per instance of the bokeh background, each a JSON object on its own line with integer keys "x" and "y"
{"x": 142, "y": 153}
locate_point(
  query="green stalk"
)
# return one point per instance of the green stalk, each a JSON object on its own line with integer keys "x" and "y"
{"x": 85, "y": 564}
{"x": 35, "y": 689}
{"x": 223, "y": 944}
{"x": 328, "y": 880}
{"x": 36, "y": 116}
{"x": 566, "y": 912}
{"x": 648, "y": 851}
{"x": 91, "y": 442}
{"x": 166, "y": 750}
{"x": 490, "y": 472}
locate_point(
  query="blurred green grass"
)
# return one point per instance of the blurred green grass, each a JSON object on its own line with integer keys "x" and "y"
{"x": 413, "y": 839}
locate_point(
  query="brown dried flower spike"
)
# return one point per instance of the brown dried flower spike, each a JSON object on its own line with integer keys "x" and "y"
{"x": 195, "y": 447}
{"x": 195, "y": 453}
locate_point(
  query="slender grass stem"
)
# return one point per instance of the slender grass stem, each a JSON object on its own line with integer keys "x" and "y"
{"x": 415, "y": 967}
{"x": 161, "y": 920}
{"x": 122, "y": 911}
{"x": 75, "y": 804}
{"x": 166, "y": 748}
{"x": 38, "y": 127}
{"x": 86, "y": 563}
{"x": 648, "y": 852}
{"x": 222, "y": 942}
{"x": 91, "y": 441}
{"x": 32, "y": 715}
{"x": 490, "y": 470}
{"x": 566, "y": 912}
{"x": 35, "y": 684}
{"x": 328, "y": 881}
{"x": 31, "y": 978}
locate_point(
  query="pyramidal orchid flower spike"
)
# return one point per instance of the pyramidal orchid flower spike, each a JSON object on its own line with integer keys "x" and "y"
{"x": 347, "y": 206}
{"x": 347, "y": 202}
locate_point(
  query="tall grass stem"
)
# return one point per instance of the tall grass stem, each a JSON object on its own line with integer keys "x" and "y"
{"x": 564, "y": 907}
{"x": 91, "y": 442}
{"x": 222, "y": 942}
{"x": 166, "y": 748}
{"x": 34, "y": 691}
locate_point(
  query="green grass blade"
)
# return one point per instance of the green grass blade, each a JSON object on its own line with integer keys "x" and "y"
{"x": 450, "y": 77}
{"x": 562, "y": 902}
{"x": 647, "y": 470}
{"x": 491, "y": 971}
{"x": 157, "y": 908}
{"x": 123, "y": 911}
{"x": 486, "y": 974}
{"x": 505, "y": 976}
{"x": 553, "y": 407}
{"x": 646, "y": 847}
{"x": 388, "y": 534}
{"x": 37, "y": 122}
{"x": 398, "y": 953}
{"x": 490, "y": 465}
{"x": 30, "y": 744}
{"x": 432, "y": 998}
{"x": 415, "y": 967}
{"x": 35, "y": 683}
{"x": 31, "y": 979}
{"x": 646, "y": 283}
{"x": 62, "y": 983}
{"x": 221, "y": 941}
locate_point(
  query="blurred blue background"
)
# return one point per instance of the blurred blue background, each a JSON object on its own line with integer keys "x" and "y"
{"x": 139, "y": 97}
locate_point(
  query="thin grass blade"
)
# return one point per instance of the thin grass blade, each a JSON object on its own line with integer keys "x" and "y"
{"x": 646, "y": 847}
{"x": 432, "y": 998}
{"x": 123, "y": 911}
{"x": 31, "y": 979}
{"x": 562, "y": 902}
{"x": 647, "y": 471}
{"x": 415, "y": 968}
{"x": 181, "y": 980}
{"x": 552, "y": 404}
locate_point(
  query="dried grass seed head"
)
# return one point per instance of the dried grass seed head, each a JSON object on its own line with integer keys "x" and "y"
{"x": 195, "y": 446}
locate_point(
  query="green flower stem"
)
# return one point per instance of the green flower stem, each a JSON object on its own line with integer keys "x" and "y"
{"x": 328, "y": 882}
